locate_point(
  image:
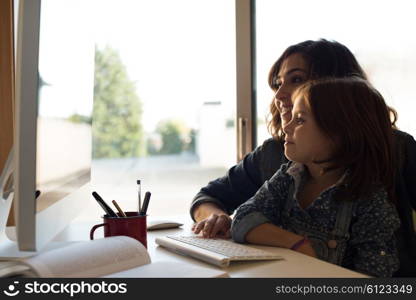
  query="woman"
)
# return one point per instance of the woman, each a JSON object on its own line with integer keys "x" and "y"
{"x": 308, "y": 60}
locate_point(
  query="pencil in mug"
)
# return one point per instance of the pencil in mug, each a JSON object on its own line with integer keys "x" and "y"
{"x": 121, "y": 212}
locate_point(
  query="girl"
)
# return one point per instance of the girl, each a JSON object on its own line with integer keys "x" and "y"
{"x": 333, "y": 199}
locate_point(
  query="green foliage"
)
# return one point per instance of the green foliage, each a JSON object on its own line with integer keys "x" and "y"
{"x": 172, "y": 133}
{"x": 117, "y": 129}
{"x": 230, "y": 123}
{"x": 191, "y": 146}
{"x": 152, "y": 146}
{"x": 76, "y": 118}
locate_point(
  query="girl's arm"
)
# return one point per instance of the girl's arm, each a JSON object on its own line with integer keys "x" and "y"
{"x": 257, "y": 220}
{"x": 272, "y": 235}
{"x": 264, "y": 207}
{"x": 373, "y": 236}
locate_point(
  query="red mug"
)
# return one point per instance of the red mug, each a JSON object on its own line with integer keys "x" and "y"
{"x": 134, "y": 225}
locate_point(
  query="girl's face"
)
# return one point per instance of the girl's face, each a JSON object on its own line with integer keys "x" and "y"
{"x": 304, "y": 141}
{"x": 293, "y": 72}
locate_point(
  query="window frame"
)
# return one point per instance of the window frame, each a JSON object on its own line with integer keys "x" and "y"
{"x": 246, "y": 77}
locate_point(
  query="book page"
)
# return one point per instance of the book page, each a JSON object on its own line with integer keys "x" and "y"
{"x": 91, "y": 258}
{"x": 169, "y": 269}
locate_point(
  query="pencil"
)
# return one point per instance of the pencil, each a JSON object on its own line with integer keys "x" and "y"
{"x": 119, "y": 209}
{"x": 145, "y": 204}
{"x": 104, "y": 205}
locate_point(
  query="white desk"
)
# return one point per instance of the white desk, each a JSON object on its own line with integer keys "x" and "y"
{"x": 294, "y": 264}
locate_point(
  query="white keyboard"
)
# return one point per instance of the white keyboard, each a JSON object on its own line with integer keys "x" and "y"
{"x": 227, "y": 248}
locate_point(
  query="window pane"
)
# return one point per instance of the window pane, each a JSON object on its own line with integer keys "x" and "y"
{"x": 382, "y": 47}
{"x": 164, "y": 99}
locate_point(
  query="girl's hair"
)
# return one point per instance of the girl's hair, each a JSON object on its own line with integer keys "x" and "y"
{"x": 356, "y": 119}
{"x": 324, "y": 59}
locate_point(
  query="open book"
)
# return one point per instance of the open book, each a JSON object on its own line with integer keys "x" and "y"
{"x": 118, "y": 256}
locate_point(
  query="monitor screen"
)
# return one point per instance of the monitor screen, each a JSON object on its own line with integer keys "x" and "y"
{"x": 53, "y": 108}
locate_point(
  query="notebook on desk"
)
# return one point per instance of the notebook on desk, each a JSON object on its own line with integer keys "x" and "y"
{"x": 219, "y": 252}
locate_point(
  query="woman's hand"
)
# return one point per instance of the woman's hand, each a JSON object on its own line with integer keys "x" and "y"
{"x": 216, "y": 225}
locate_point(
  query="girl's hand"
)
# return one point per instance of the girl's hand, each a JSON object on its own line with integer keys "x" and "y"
{"x": 307, "y": 249}
{"x": 216, "y": 225}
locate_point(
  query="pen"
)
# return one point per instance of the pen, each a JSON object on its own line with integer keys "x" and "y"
{"x": 119, "y": 209}
{"x": 104, "y": 205}
{"x": 146, "y": 200}
{"x": 139, "y": 196}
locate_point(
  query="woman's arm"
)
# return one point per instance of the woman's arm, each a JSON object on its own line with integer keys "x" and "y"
{"x": 409, "y": 172}
{"x": 205, "y": 210}
{"x": 243, "y": 180}
{"x": 212, "y": 221}
{"x": 212, "y": 206}
{"x": 223, "y": 195}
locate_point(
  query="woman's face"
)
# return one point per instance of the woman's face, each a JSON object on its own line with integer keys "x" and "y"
{"x": 293, "y": 72}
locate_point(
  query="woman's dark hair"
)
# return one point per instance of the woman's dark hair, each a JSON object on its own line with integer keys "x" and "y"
{"x": 355, "y": 117}
{"x": 324, "y": 59}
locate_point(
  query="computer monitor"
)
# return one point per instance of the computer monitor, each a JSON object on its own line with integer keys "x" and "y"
{"x": 53, "y": 116}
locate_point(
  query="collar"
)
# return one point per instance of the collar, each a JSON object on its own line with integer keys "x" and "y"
{"x": 297, "y": 171}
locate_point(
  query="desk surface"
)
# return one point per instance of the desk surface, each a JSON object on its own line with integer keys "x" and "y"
{"x": 294, "y": 264}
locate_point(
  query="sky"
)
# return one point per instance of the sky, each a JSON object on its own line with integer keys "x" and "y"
{"x": 180, "y": 53}
{"x": 376, "y": 31}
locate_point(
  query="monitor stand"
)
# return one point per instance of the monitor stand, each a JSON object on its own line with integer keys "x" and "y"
{"x": 8, "y": 248}
{"x": 10, "y": 251}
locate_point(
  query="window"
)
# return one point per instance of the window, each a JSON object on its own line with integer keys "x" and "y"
{"x": 164, "y": 107}
{"x": 374, "y": 31}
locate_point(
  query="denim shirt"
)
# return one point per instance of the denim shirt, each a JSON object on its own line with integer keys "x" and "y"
{"x": 354, "y": 234}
